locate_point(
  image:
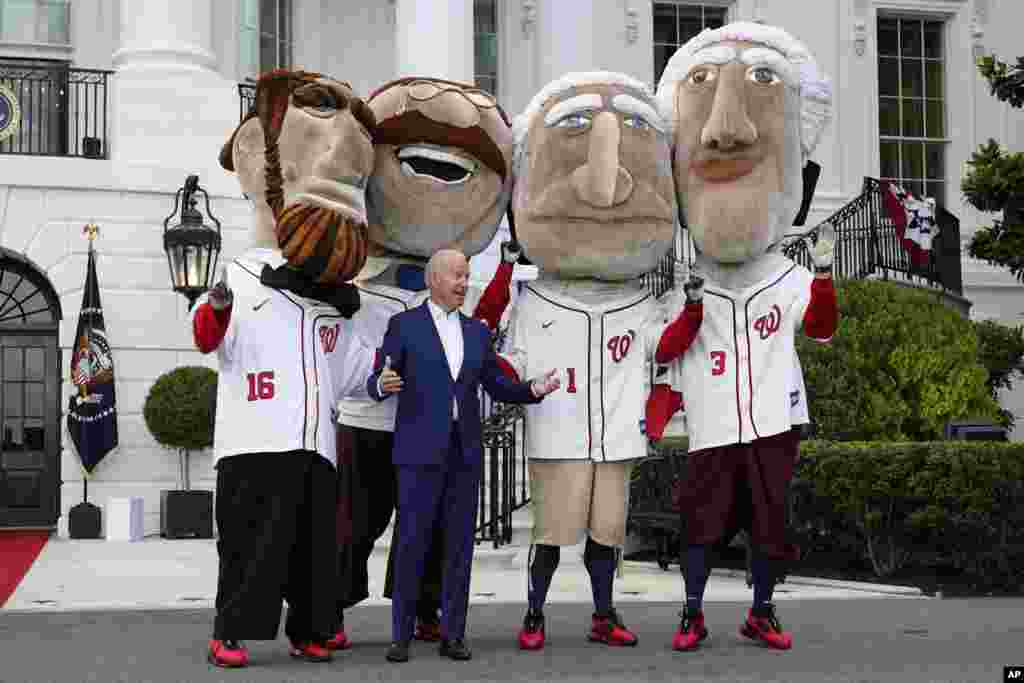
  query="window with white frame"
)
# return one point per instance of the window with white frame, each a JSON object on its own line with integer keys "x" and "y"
{"x": 265, "y": 37}
{"x": 485, "y": 45}
{"x": 35, "y": 21}
{"x": 675, "y": 23}
{"x": 911, "y": 105}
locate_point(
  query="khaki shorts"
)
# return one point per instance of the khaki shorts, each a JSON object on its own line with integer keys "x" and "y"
{"x": 574, "y": 497}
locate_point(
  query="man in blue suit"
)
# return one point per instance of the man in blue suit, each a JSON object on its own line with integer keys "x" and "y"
{"x": 437, "y": 358}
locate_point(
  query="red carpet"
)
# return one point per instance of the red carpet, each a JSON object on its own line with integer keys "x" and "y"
{"x": 18, "y": 550}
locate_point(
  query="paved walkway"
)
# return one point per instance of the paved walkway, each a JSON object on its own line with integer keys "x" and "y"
{"x": 72, "y": 575}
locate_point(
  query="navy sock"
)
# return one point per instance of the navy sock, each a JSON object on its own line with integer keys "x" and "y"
{"x": 696, "y": 575}
{"x": 764, "y": 582}
{"x": 600, "y": 563}
{"x": 545, "y": 561}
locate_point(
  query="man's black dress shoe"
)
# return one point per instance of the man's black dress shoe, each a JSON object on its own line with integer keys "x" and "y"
{"x": 455, "y": 649}
{"x": 398, "y": 652}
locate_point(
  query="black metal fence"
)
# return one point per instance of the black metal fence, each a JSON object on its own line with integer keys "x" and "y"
{"x": 63, "y": 111}
{"x": 504, "y": 484}
{"x": 246, "y": 99}
{"x": 867, "y": 244}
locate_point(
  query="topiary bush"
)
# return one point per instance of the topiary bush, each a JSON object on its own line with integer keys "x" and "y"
{"x": 1001, "y": 350}
{"x": 899, "y": 368}
{"x": 180, "y": 410}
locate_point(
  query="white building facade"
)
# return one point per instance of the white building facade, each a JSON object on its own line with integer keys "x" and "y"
{"x": 113, "y": 148}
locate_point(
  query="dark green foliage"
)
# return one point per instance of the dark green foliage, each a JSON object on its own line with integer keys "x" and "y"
{"x": 995, "y": 177}
{"x": 179, "y": 409}
{"x": 1006, "y": 82}
{"x": 900, "y": 367}
{"x": 957, "y": 503}
{"x": 1000, "y": 350}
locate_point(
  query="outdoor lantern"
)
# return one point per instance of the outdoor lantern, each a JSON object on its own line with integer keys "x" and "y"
{"x": 192, "y": 246}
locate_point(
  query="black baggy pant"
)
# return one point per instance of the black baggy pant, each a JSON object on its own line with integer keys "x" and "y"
{"x": 277, "y": 540}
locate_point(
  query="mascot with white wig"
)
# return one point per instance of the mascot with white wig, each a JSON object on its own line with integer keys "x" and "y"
{"x": 594, "y": 208}
{"x": 747, "y": 106}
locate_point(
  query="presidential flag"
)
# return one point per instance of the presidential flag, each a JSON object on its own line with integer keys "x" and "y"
{"x": 92, "y": 412}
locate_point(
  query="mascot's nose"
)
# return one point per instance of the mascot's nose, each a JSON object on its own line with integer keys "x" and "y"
{"x": 729, "y": 124}
{"x": 602, "y": 182}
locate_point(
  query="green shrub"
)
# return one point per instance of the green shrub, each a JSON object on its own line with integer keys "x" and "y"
{"x": 961, "y": 502}
{"x": 180, "y": 410}
{"x": 900, "y": 367}
{"x": 1000, "y": 350}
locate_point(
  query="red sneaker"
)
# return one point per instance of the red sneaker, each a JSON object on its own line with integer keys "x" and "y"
{"x": 311, "y": 652}
{"x": 429, "y": 631}
{"x": 611, "y": 631}
{"x": 340, "y": 641}
{"x": 531, "y": 637}
{"x": 764, "y": 626}
{"x": 228, "y": 654}
{"x": 691, "y": 631}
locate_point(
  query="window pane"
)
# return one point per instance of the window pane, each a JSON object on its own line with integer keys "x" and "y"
{"x": 485, "y": 55}
{"x": 714, "y": 17}
{"x": 913, "y": 118}
{"x": 910, "y": 38}
{"x": 888, "y": 37}
{"x": 935, "y": 160}
{"x": 18, "y": 21}
{"x": 268, "y": 52}
{"x": 56, "y": 22}
{"x": 34, "y": 399}
{"x": 933, "y": 39}
{"x": 249, "y": 53}
{"x": 12, "y": 400}
{"x": 662, "y": 53}
{"x": 936, "y": 191}
{"x": 484, "y": 19}
{"x": 888, "y": 116}
{"x": 284, "y": 18}
{"x": 665, "y": 23}
{"x": 914, "y": 187}
{"x": 888, "y": 76}
{"x": 913, "y": 159}
{"x": 487, "y": 83}
{"x": 691, "y": 22}
{"x": 934, "y": 80}
{"x": 284, "y": 54}
{"x": 268, "y": 17}
{"x": 912, "y": 78}
{"x": 250, "y": 13}
{"x": 34, "y": 359}
{"x": 890, "y": 158}
{"x": 935, "y": 121}
{"x": 14, "y": 365}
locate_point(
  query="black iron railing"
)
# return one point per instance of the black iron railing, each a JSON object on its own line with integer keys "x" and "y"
{"x": 867, "y": 244}
{"x": 246, "y": 99}
{"x": 662, "y": 279}
{"x": 504, "y": 484}
{"x": 63, "y": 111}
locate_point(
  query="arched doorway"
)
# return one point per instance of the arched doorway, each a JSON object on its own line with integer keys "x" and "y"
{"x": 30, "y": 405}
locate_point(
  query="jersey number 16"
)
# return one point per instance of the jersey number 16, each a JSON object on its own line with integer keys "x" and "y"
{"x": 261, "y": 385}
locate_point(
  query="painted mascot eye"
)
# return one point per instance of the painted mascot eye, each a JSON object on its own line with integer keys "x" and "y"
{"x": 575, "y": 121}
{"x": 702, "y": 76}
{"x": 762, "y": 75}
{"x": 636, "y": 121}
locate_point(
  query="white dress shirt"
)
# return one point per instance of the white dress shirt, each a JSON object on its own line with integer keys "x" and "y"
{"x": 449, "y": 329}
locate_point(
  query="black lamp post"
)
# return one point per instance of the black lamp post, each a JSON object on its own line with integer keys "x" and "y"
{"x": 192, "y": 246}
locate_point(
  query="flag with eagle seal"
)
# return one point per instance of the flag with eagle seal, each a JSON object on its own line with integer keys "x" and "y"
{"x": 92, "y": 412}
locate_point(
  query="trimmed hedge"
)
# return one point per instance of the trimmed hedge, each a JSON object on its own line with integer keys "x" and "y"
{"x": 959, "y": 503}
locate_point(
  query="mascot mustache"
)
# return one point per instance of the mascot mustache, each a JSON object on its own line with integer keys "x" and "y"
{"x": 327, "y": 246}
{"x": 413, "y": 127}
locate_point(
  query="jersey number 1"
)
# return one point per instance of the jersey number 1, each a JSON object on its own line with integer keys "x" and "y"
{"x": 571, "y": 386}
{"x": 261, "y": 385}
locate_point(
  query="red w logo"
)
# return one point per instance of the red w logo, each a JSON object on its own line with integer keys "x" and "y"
{"x": 767, "y": 325}
{"x": 619, "y": 345}
{"x": 329, "y": 337}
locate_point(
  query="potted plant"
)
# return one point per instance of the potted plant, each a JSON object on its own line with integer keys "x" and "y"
{"x": 179, "y": 413}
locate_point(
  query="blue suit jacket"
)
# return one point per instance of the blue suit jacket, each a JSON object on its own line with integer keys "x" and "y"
{"x": 424, "y": 421}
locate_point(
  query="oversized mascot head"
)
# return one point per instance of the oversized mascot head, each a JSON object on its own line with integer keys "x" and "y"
{"x": 747, "y": 105}
{"x": 442, "y": 176}
{"x": 594, "y": 197}
{"x": 303, "y": 156}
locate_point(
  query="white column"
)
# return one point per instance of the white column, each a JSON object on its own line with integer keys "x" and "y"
{"x": 170, "y": 108}
{"x": 434, "y": 38}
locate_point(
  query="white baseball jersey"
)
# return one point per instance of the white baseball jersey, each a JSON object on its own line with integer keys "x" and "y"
{"x": 377, "y": 303}
{"x": 799, "y": 414}
{"x": 284, "y": 363}
{"x": 602, "y": 352}
{"x": 737, "y": 376}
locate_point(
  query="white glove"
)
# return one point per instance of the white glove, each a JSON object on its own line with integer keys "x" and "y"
{"x": 221, "y": 296}
{"x": 510, "y": 252}
{"x": 823, "y": 250}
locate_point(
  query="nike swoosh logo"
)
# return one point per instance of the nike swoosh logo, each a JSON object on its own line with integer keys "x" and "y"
{"x": 260, "y": 305}
{"x": 547, "y": 324}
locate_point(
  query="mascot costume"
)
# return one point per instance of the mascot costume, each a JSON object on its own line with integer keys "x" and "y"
{"x": 280, "y": 323}
{"x": 595, "y": 210}
{"x": 442, "y": 179}
{"x": 747, "y": 105}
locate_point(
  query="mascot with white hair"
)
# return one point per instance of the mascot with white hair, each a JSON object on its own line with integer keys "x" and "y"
{"x": 747, "y": 106}
{"x": 594, "y": 208}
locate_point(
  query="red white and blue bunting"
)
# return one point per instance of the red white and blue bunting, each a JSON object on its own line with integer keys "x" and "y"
{"x": 914, "y": 220}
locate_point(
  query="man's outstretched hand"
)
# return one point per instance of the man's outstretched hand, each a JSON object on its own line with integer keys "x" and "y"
{"x": 542, "y": 386}
{"x": 390, "y": 381}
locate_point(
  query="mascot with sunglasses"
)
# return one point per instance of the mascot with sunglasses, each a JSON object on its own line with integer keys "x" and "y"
{"x": 442, "y": 179}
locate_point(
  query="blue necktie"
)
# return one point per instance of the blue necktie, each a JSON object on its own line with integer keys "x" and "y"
{"x": 410, "y": 277}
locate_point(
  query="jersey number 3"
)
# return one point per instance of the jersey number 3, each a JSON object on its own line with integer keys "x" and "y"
{"x": 261, "y": 385}
{"x": 718, "y": 363}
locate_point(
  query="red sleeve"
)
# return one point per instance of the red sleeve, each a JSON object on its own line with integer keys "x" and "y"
{"x": 661, "y": 404}
{"x": 822, "y": 314}
{"x": 495, "y": 298}
{"x": 680, "y": 334}
{"x": 210, "y": 326}
{"x": 507, "y": 368}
